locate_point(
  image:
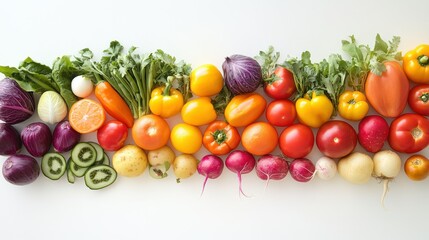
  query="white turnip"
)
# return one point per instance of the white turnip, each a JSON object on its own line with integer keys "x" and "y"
{"x": 387, "y": 165}
{"x": 210, "y": 166}
{"x": 271, "y": 167}
{"x": 302, "y": 169}
{"x": 326, "y": 168}
{"x": 356, "y": 168}
{"x": 240, "y": 162}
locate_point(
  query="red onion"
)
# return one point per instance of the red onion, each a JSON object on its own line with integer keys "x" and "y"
{"x": 20, "y": 169}
{"x": 37, "y": 139}
{"x": 10, "y": 141}
{"x": 65, "y": 137}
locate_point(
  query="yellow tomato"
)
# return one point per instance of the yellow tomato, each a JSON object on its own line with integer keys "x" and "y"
{"x": 206, "y": 80}
{"x": 199, "y": 111}
{"x": 186, "y": 138}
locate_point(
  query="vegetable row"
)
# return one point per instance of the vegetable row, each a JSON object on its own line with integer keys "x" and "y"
{"x": 142, "y": 91}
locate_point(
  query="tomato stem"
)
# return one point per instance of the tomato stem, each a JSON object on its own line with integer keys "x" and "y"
{"x": 352, "y": 101}
{"x": 423, "y": 60}
{"x": 424, "y": 97}
{"x": 417, "y": 133}
{"x": 219, "y": 136}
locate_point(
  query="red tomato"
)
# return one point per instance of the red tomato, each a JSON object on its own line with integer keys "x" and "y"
{"x": 296, "y": 141}
{"x": 409, "y": 133}
{"x": 417, "y": 167}
{"x": 150, "y": 132}
{"x": 112, "y": 135}
{"x": 336, "y": 139}
{"x": 418, "y": 99}
{"x": 281, "y": 113}
{"x": 283, "y": 86}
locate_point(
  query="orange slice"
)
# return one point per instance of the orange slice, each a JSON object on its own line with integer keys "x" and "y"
{"x": 86, "y": 116}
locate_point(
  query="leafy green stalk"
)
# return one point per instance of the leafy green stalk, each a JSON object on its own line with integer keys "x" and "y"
{"x": 268, "y": 61}
{"x": 363, "y": 59}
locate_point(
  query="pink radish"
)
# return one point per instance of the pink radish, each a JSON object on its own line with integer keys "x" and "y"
{"x": 302, "y": 169}
{"x": 210, "y": 166}
{"x": 271, "y": 167}
{"x": 240, "y": 162}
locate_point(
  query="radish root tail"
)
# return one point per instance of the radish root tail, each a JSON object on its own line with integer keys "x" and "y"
{"x": 240, "y": 190}
{"x": 204, "y": 185}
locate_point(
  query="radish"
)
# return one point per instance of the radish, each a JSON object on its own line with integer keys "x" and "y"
{"x": 210, "y": 166}
{"x": 387, "y": 165}
{"x": 271, "y": 167}
{"x": 326, "y": 168}
{"x": 356, "y": 167}
{"x": 373, "y": 132}
{"x": 302, "y": 169}
{"x": 240, "y": 162}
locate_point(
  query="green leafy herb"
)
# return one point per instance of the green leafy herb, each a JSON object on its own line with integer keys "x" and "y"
{"x": 36, "y": 77}
{"x": 363, "y": 59}
{"x": 268, "y": 61}
{"x": 134, "y": 75}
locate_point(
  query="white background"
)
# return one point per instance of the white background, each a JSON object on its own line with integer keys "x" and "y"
{"x": 205, "y": 32}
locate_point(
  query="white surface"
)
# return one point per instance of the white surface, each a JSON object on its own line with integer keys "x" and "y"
{"x": 205, "y": 32}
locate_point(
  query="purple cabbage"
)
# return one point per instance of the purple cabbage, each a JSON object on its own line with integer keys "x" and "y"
{"x": 242, "y": 74}
{"x": 16, "y": 105}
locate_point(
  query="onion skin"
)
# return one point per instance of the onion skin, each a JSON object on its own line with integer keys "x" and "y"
{"x": 21, "y": 169}
{"x": 65, "y": 137}
{"x": 10, "y": 140}
{"x": 16, "y": 105}
{"x": 242, "y": 74}
{"x": 37, "y": 139}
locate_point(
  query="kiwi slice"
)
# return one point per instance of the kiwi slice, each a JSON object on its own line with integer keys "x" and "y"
{"x": 53, "y": 165}
{"x": 100, "y": 176}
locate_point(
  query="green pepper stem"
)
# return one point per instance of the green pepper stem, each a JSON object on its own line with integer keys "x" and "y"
{"x": 423, "y": 60}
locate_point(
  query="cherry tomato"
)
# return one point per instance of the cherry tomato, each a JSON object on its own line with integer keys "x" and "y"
{"x": 150, "y": 132}
{"x": 112, "y": 135}
{"x": 409, "y": 133}
{"x": 296, "y": 141}
{"x": 259, "y": 138}
{"x": 336, "y": 139}
{"x": 417, "y": 167}
{"x": 283, "y": 86}
{"x": 281, "y": 113}
{"x": 418, "y": 99}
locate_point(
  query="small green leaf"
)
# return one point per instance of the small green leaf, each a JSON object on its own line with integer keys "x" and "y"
{"x": 380, "y": 44}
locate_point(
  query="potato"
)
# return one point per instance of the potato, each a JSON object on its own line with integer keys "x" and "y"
{"x": 129, "y": 161}
{"x": 184, "y": 166}
{"x": 160, "y": 156}
{"x": 160, "y": 161}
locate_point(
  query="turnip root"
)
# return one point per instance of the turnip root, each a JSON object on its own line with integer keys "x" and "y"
{"x": 240, "y": 162}
{"x": 356, "y": 168}
{"x": 387, "y": 165}
{"x": 302, "y": 169}
{"x": 326, "y": 168}
{"x": 271, "y": 167}
{"x": 210, "y": 166}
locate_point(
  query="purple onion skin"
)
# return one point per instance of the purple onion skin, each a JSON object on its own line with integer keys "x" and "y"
{"x": 37, "y": 139}
{"x": 16, "y": 105}
{"x": 10, "y": 141}
{"x": 65, "y": 137}
{"x": 242, "y": 74}
{"x": 20, "y": 169}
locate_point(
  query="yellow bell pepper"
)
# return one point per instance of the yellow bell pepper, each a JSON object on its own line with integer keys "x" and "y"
{"x": 353, "y": 105}
{"x": 165, "y": 101}
{"x": 416, "y": 64}
{"x": 314, "y": 110}
{"x": 199, "y": 111}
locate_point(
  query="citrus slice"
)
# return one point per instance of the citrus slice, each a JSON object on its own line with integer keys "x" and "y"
{"x": 86, "y": 116}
